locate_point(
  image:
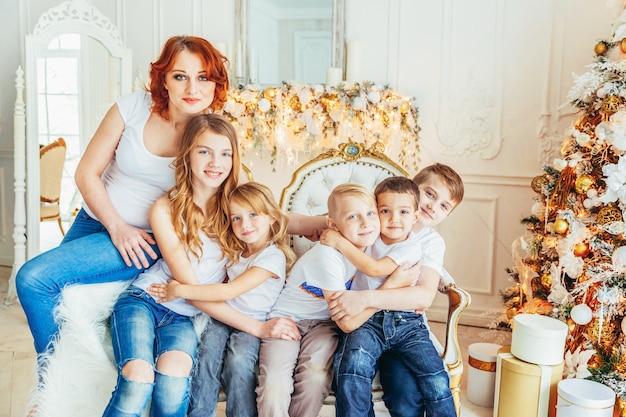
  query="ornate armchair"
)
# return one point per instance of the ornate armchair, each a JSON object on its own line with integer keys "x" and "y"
{"x": 307, "y": 193}
{"x": 51, "y": 160}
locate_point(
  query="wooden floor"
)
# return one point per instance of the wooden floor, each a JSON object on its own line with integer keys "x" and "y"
{"x": 17, "y": 361}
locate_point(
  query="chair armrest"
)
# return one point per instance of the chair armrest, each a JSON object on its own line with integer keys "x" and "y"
{"x": 458, "y": 300}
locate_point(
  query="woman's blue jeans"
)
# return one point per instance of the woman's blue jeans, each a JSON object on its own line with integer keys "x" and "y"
{"x": 227, "y": 357}
{"x": 141, "y": 329}
{"x": 85, "y": 256}
{"x": 405, "y": 334}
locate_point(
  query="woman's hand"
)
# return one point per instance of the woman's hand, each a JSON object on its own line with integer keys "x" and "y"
{"x": 280, "y": 328}
{"x": 133, "y": 244}
{"x": 164, "y": 292}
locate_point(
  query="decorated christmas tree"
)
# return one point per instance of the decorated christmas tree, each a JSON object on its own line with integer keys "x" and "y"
{"x": 571, "y": 263}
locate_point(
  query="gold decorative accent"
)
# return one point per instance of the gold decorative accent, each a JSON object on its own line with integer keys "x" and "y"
{"x": 538, "y": 183}
{"x": 609, "y": 214}
{"x": 600, "y": 48}
{"x": 481, "y": 365}
{"x": 584, "y": 183}
{"x": 611, "y": 104}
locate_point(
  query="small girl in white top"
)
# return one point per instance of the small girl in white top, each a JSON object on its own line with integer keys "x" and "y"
{"x": 257, "y": 245}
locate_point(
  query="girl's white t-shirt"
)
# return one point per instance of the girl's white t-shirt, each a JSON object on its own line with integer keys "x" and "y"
{"x": 257, "y": 302}
{"x": 209, "y": 269}
{"x": 135, "y": 177}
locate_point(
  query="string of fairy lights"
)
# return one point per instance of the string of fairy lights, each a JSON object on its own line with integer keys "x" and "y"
{"x": 292, "y": 121}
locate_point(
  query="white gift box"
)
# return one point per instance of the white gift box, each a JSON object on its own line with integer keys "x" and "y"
{"x": 584, "y": 398}
{"x": 481, "y": 376}
{"x": 538, "y": 339}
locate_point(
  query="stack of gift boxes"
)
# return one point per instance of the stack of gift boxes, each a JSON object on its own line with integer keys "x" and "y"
{"x": 528, "y": 380}
{"x": 527, "y": 372}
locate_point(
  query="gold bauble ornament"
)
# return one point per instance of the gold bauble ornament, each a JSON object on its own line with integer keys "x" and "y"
{"x": 538, "y": 183}
{"x": 581, "y": 249}
{"x": 561, "y": 226}
{"x": 611, "y": 104}
{"x": 404, "y": 107}
{"x": 546, "y": 280}
{"x": 584, "y": 183}
{"x": 511, "y": 312}
{"x": 622, "y": 45}
{"x": 294, "y": 103}
{"x": 600, "y": 48}
{"x": 609, "y": 214}
{"x": 269, "y": 93}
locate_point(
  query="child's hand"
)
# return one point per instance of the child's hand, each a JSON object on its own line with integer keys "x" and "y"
{"x": 344, "y": 305}
{"x": 403, "y": 276}
{"x": 331, "y": 238}
{"x": 280, "y": 328}
{"x": 164, "y": 292}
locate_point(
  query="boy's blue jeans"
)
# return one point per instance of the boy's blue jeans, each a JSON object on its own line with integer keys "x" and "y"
{"x": 141, "y": 329}
{"x": 85, "y": 256}
{"x": 405, "y": 334}
{"x": 227, "y": 357}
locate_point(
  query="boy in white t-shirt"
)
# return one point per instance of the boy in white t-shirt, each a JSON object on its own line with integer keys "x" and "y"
{"x": 400, "y": 331}
{"x": 295, "y": 375}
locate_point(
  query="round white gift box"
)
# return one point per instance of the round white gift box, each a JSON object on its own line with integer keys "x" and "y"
{"x": 538, "y": 339}
{"x": 584, "y": 398}
{"x": 481, "y": 377}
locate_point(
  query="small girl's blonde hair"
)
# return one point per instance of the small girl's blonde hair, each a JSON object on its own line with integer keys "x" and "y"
{"x": 259, "y": 199}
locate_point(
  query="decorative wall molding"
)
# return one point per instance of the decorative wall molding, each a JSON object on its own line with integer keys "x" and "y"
{"x": 78, "y": 11}
{"x": 474, "y": 263}
{"x": 498, "y": 180}
{"x": 469, "y": 120}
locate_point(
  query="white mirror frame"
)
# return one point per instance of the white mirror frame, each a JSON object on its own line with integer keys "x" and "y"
{"x": 242, "y": 15}
{"x": 74, "y": 16}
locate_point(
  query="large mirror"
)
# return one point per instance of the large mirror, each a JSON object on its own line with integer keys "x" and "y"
{"x": 76, "y": 67}
{"x": 288, "y": 40}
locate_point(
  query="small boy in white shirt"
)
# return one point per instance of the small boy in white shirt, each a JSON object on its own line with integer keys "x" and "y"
{"x": 295, "y": 375}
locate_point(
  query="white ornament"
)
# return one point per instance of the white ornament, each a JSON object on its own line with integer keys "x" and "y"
{"x": 592, "y": 193}
{"x": 538, "y": 210}
{"x": 624, "y": 325}
{"x": 619, "y": 259}
{"x": 581, "y": 314}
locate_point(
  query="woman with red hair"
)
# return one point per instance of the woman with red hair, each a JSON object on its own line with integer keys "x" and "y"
{"x": 126, "y": 167}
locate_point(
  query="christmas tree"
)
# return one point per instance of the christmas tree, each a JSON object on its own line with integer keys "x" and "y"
{"x": 571, "y": 263}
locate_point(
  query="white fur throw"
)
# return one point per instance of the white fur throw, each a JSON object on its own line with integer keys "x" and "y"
{"x": 80, "y": 374}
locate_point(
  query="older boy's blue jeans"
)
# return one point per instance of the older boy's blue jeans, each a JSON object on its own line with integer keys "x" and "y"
{"x": 85, "y": 256}
{"x": 141, "y": 329}
{"x": 227, "y": 357}
{"x": 401, "y": 394}
{"x": 405, "y": 334}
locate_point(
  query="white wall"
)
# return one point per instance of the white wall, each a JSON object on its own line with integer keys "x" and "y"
{"x": 489, "y": 77}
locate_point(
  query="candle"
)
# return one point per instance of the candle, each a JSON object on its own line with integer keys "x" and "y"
{"x": 353, "y": 61}
{"x": 239, "y": 60}
{"x": 333, "y": 76}
{"x": 252, "y": 66}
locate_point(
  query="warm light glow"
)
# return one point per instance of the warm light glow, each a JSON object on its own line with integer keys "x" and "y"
{"x": 298, "y": 118}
